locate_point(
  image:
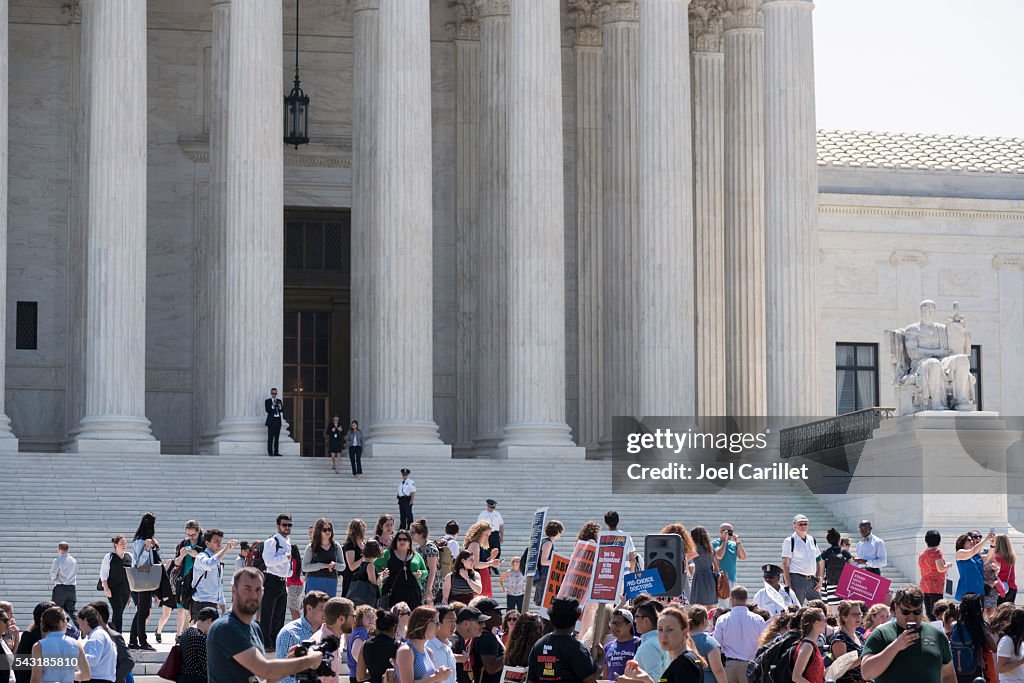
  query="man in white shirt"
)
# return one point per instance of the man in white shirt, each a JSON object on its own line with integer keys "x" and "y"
{"x": 802, "y": 566}
{"x": 772, "y": 598}
{"x": 277, "y": 556}
{"x": 491, "y": 515}
{"x": 207, "y": 573}
{"x": 64, "y": 575}
{"x": 738, "y": 632}
{"x": 871, "y": 553}
{"x": 406, "y": 496}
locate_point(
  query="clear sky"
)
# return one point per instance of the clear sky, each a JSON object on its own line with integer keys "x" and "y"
{"x": 920, "y": 66}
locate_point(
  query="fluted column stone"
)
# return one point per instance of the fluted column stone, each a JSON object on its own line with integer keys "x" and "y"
{"x": 708, "y": 80}
{"x": 791, "y": 210}
{"x": 492, "y": 385}
{"x": 365, "y": 234}
{"x": 1010, "y": 276}
{"x": 666, "y": 284}
{"x": 744, "y": 209}
{"x": 589, "y": 249}
{"x": 536, "y": 224}
{"x": 621, "y": 219}
{"x": 402, "y": 312}
{"x": 253, "y": 248}
{"x": 115, "y": 350}
{"x": 8, "y": 442}
{"x": 212, "y": 295}
{"x": 467, "y": 222}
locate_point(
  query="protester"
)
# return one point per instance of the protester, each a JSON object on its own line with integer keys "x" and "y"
{"x": 513, "y": 584}
{"x": 772, "y": 598}
{"x": 1007, "y": 560}
{"x": 440, "y": 651}
{"x": 894, "y": 653}
{"x": 432, "y": 581}
{"x": 802, "y": 567}
{"x": 738, "y": 633}
{"x": 321, "y": 559}
{"x": 933, "y": 568}
{"x": 405, "y": 570}
{"x": 558, "y": 657}
{"x": 277, "y": 557}
{"x": 1000, "y": 620}
{"x": 234, "y": 643}
{"x": 144, "y": 554}
{"x": 1010, "y": 651}
{"x": 552, "y": 532}
{"x": 491, "y": 515}
{"x": 703, "y": 587}
{"x": 406, "y": 497}
{"x": 508, "y": 624}
{"x": 871, "y": 553}
{"x": 946, "y": 614}
{"x": 629, "y": 559}
{"x": 969, "y": 562}
{"x": 469, "y": 624}
{"x": 352, "y": 549}
{"x": 689, "y": 554}
{"x": 808, "y": 665}
{"x": 56, "y": 646}
{"x": 365, "y": 621}
{"x": 972, "y": 633}
{"x": 835, "y": 559}
{"x": 207, "y": 573}
{"x": 64, "y": 575}
{"x": 685, "y": 665}
{"x": 339, "y": 619}
{"x": 846, "y": 639}
{"x": 99, "y": 647}
{"x": 650, "y": 656}
{"x": 402, "y": 614}
{"x": 487, "y": 652}
{"x": 524, "y": 636}
{"x": 193, "y": 647}
{"x": 477, "y": 542}
{"x": 379, "y": 652}
{"x": 706, "y": 645}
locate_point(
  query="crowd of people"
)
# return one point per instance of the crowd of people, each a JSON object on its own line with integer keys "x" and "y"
{"x": 407, "y": 605}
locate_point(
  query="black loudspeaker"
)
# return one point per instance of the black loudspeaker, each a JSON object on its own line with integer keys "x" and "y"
{"x": 664, "y": 552}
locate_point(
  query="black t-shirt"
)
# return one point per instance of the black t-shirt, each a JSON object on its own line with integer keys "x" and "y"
{"x": 560, "y": 658}
{"x": 486, "y": 644}
{"x": 463, "y": 670}
{"x": 377, "y": 655}
{"x": 684, "y": 669}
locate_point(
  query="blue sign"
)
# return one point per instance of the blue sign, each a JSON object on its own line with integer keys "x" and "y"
{"x": 647, "y": 581}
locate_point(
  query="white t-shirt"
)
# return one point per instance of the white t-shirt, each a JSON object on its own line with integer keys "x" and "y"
{"x": 802, "y": 553}
{"x": 1005, "y": 649}
{"x": 493, "y": 517}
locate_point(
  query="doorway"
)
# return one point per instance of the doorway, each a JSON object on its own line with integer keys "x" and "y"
{"x": 317, "y": 301}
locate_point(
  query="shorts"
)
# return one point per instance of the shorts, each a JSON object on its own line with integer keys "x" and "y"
{"x": 295, "y": 595}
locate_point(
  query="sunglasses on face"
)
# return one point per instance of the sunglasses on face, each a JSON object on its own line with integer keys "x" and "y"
{"x": 801, "y": 523}
{"x": 911, "y": 612}
{"x": 328, "y": 530}
{"x": 404, "y": 614}
{"x": 285, "y": 525}
{"x": 977, "y": 537}
{"x": 513, "y": 620}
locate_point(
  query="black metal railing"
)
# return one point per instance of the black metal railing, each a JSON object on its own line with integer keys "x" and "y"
{"x": 833, "y": 432}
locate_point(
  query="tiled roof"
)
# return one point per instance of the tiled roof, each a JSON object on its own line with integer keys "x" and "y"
{"x": 915, "y": 151}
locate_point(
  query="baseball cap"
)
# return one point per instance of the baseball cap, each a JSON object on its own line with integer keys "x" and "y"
{"x": 487, "y": 605}
{"x": 470, "y": 614}
{"x": 800, "y": 518}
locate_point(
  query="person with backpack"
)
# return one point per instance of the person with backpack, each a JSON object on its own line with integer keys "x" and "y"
{"x": 835, "y": 559}
{"x": 275, "y": 561}
{"x": 552, "y": 532}
{"x": 808, "y": 665}
{"x": 907, "y": 649}
{"x": 972, "y": 642}
{"x": 802, "y": 567}
{"x": 434, "y": 579}
{"x": 207, "y": 583}
{"x": 181, "y": 571}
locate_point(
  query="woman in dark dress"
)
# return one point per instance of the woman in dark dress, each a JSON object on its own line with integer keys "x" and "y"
{"x": 335, "y": 440}
{"x": 352, "y": 549}
{"x": 846, "y": 639}
{"x": 114, "y": 580}
{"x": 405, "y": 568}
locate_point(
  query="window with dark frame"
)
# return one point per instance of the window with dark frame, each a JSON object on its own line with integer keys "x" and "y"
{"x": 856, "y": 376}
{"x": 27, "y": 325}
{"x": 976, "y": 371}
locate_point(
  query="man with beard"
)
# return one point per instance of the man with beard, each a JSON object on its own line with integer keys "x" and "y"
{"x": 234, "y": 645}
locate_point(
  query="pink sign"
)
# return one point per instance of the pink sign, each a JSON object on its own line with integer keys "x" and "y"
{"x": 860, "y": 584}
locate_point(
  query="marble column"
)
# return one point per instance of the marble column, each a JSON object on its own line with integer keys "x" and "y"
{"x": 467, "y": 222}
{"x": 536, "y": 226}
{"x": 212, "y": 299}
{"x": 791, "y": 210}
{"x": 115, "y": 350}
{"x": 492, "y": 384}
{"x": 665, "y": 244}
{"x": 253, "y": 242}
{"x": 365, "y": 235}
{"x": 7, "y": 440}
{"x": 589, "y": 249}
{"x": 621, "y": 218}
{"x": 1010, "y": 269}
{"x": 708, "y": 82}
{"x": 744, "y": 209}
{"x": 402, "y": 311}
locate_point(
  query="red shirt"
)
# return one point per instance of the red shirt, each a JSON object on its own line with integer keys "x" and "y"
{"x": 1006, "y": 573}
{"x": 815, "y": 669}
{"x": 296, "y": 578}
{"x": 932, "y": 580}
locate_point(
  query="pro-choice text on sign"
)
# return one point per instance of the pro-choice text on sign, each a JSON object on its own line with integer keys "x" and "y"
{"x": 647, "y": 581}
{"x": 860, "y": 584}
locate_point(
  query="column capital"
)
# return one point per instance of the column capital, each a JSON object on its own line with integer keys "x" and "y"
{"x": 1008, "y": 261}
{"x": 365, "y": 5}
{"x": 914, "y": 257}
{"x": 465, "y": 26}
{"x": 706, "y": 25}
{"x": 742, "y": 14}
{"x": 493, "y": 8}
{"x": 586, "y": 15}
{"x": 614, "y": 11}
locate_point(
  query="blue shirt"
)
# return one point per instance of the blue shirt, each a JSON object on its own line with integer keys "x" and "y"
{"x": 972, "y": 576}
{"x": 705, "y": 643}
{"x": 57, "y": 645}
{"x": 728, "y": 561}
{"x": 872, "y": 549}
{"x": 101, "y": 652}
{"x": 617, "y": 653}
{"x": 650, "y": 655}
{"x": 228, "y": 637}
{"x": 293, "y": 633}
{"x": 206, "y": 577}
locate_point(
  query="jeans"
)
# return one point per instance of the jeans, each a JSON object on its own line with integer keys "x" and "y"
{"x": 355, "y": 457}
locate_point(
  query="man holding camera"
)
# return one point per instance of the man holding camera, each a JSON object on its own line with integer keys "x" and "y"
{"x": 234, "y": 645}
{"x": 303, "y": 628}
{"x": 339, "y": 620}
{"x": 908, "y": 649}
{"x": 728, "y": 549}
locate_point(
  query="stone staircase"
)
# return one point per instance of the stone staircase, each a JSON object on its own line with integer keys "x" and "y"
{"x": 85, "y": 499}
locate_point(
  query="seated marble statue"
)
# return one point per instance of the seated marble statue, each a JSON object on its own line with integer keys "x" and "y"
{"x": 932, "y": 365}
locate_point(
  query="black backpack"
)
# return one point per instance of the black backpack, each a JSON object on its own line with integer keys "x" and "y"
{"x": 774, "y": 661}
{"x": 835, "y": 560}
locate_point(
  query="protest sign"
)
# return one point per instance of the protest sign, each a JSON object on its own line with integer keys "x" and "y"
{"x": 580, "y": 573}
{"x": 647, "y": 581}
{"x": 608, "y": 569}
{"x": 513, "y": 674}
{"x": 536, "y": 537}
{"x": 559, "y": 565}
{"x": 860, "y": 584}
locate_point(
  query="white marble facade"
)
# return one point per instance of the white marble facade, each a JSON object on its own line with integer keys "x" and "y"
{"x": 888, "y": 236}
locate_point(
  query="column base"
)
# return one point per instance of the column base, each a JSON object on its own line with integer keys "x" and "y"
{"x": 409, "y": 432}
{"x": 8, "y": 442}
{"x": 407, "y": 455}
{"x": 251, "y": 447}
{"x": 248, "y": 436}
{"x": 563, "y": 454}
{"x": 553, "y": 434}
{"x": 486, "y": 446}
{"x": 113, "y": 434}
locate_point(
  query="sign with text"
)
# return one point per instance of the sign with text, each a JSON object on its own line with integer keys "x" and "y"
{"x": 580, "y": 573}
{"x": 513, "y": 674}
{"x": 860, "y": 584}
{"x": 611, "y": 550}
{"x": 648, "y": 581}
{"x": 536, "y": 537}
{"x": 559, "y": 565}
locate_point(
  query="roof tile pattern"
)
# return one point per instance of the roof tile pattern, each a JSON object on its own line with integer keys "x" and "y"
{"x": 920, "y": 152}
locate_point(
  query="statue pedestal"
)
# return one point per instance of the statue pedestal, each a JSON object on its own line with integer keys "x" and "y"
{"x": 941, "y": 470}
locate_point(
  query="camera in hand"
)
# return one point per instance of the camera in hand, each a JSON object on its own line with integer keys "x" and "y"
{"x": 327, "y": 647}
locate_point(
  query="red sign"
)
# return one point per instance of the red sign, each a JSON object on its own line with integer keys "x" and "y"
{"x": 608, "y": 573}
{"x": 860, "y": 584}
{"x": 556, "y": 573}
{"x": 580, "y": 573}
